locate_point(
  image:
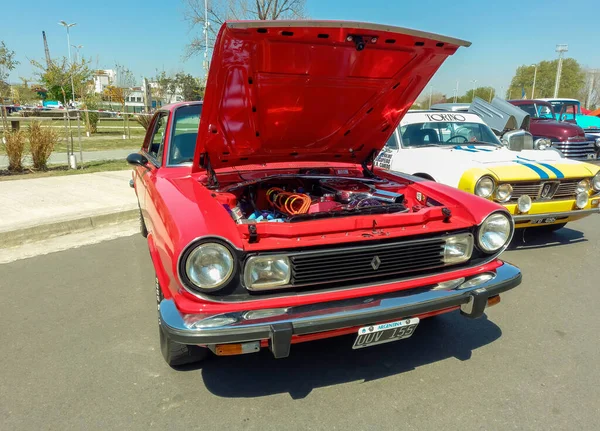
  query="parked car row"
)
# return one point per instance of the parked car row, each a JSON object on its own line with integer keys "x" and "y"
{"x": 300, "y": 201}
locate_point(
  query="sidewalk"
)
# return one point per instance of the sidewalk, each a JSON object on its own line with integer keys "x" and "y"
{"x": 34, "y": 209}
{"x": 57, "y": 158}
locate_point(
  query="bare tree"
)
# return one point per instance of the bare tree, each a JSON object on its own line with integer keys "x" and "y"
{"x": 219, "y": 11}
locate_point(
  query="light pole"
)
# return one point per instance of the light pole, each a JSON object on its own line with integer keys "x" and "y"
{"x": 430, "y": 94}
{"x": 77, "y": 47}
{"x": 68, "y": 26}
{"x": 474, "y": 81}
{"x": 561, "y": 49}
{"x": 456, "y": 92}
{"x": 534, "y": 76}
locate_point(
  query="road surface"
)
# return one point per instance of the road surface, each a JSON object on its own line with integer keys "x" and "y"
{"x": 80, "y": 351}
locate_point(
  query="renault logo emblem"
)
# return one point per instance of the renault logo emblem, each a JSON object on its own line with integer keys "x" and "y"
{"x": 546, "y": 190}
{"x": 375, "y": 263}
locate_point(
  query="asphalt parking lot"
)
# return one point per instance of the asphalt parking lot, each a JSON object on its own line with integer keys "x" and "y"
{"x": 80, "y": 351}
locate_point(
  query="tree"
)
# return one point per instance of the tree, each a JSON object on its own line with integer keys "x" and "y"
{"x": 572, "y": 80}
{"x": 221, "y": 10}
{"x": 485, "y": 93}
{"x": 423, "y": 100}
{"x": 191, "y": 88}
{"x": 57, "y": 77}
{"x": 24, "y": 93}
{"x": 7, "y": 64}
{"x": 165, "y": 87}
{"x": 590, "y": 93}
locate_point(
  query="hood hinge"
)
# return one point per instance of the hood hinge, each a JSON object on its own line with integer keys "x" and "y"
{"x": 369, "y": 160}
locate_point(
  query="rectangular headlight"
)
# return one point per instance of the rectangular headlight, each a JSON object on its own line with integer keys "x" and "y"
{"x": 458, "y": 248}
{"x": 267, "y": 272}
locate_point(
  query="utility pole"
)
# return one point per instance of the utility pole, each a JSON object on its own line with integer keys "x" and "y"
{"x": 456, "y": 92}
{"x": 591, "y": 90}
{"x": 77, "y": 48}
{"x": 206, "y": 25}
{"x": 534, "y": 77}
{"x": 561, "y": 49}
{"x": 68, "y": 26}
{"x": 474, "y": 81}
{"x": 430, "y": 94}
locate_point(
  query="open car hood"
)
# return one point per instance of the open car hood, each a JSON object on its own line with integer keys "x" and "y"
{"x": 289, "y": 91}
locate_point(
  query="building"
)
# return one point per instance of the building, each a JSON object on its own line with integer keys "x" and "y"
{"x": 103, "y": 78}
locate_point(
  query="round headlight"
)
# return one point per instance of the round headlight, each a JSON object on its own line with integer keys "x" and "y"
{"x": 504, "y": 192}
{"x": 596, "y": 181}
{"x": 524, "y": 203}
{"x": 598, "y": 142}
{"x": 209, "y": 265}
{"x": 485, "y": 187}
{"x": 494, "y": 232}
{"x": 583, "y": 186}
{"x": 581, "y": 200}
{"x": 542, "y": 144}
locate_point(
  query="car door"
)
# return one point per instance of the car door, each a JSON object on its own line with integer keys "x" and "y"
{"x": 153, "y": 149}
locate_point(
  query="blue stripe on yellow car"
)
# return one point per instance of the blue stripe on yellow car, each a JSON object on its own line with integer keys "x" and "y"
{"x": 543, "y": 175}
{"x": 551, "y": 168}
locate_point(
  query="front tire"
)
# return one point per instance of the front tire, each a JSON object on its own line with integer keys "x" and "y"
{"x": 176, "y": 354}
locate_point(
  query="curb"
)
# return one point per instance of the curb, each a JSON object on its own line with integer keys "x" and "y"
{"x": 45, "y": 231}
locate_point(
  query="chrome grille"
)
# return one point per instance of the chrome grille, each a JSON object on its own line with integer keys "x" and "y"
{"x": 576, "y": 150}
{"x": 381, "y": 262}
{"x": 565, "y": 190}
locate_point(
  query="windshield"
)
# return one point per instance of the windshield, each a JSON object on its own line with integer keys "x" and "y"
{"x": 183, "y": 135}
{"x": 572, "y": 107}
{"x": 446, "y": 133}
{"x": 536, "y": 110}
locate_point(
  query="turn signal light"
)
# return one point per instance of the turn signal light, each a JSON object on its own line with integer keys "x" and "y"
{"x": 237, "y": 349}
{"x": 493, "y": 300}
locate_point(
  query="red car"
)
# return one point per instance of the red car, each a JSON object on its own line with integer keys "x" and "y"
{"x": 267, "y": 222}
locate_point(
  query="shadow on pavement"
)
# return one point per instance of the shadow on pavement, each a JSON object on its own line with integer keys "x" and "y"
{"x": 331, "y": 362}
{"x": 536, "y": 238}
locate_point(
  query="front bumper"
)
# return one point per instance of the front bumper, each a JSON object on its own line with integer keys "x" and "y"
{"x": 562, "y": 211}
{"x": 329, "y": 316}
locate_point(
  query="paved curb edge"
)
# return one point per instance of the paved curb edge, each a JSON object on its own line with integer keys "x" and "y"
{"x": 44, "y": 231}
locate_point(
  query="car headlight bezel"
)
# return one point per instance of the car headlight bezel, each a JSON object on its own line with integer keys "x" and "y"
{"x": 597, "y": 142}
{"x": 468, "y": 242}
{"x": 583, "y": 186}
{"x": 481, "y": 232}
{"x": 542, "y": 144}
{"x": 486, "y": 179}
{"x": 190, "y": 281}
{"x": 253, "y": 261}
{"x": 596, "y": 181}
{"x": 507, "y": 191}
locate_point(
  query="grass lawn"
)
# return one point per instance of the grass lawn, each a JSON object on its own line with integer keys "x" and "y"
{"x": 53, "y": 171}
{"x": 97, "y": 142}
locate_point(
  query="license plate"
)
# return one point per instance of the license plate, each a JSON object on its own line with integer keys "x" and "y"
{"x": 591, "y": 156}
{"x": 544, "y": 220}
{"x": 385, "y": 332}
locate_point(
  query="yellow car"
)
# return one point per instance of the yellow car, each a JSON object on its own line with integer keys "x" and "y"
{"x": 538, "y": 187}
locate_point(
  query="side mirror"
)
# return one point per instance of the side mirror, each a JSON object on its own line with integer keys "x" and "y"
{"x": 137, "y": 159}
{"x": 518, "y": 140}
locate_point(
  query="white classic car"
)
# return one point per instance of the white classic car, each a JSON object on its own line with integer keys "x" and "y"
{"x": 538, "y": 187}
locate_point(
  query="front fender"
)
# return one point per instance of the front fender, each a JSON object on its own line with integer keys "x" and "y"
{"x": 470, "y": 177}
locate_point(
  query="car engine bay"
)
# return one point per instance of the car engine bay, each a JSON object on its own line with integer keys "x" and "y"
{"x": 294, "y": 198}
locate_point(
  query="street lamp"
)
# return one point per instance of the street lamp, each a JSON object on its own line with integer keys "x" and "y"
{"x": 561, "y": 49}
{"x": 534, "y": 76}
{"x": 77, "y": 47}
{"x": 68, "y": 26}
{"x": 474, "y": 81}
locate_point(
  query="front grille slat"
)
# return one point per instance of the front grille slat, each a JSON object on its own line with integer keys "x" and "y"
{"x": 575, "y": 149}
{"x": 566, "y": 189}
{"x": 332, "y": 266}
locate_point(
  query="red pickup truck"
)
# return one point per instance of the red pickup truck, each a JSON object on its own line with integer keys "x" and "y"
{"x": 568, "y": 138}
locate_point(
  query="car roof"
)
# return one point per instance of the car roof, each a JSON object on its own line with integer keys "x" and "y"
{"x": 173, "y": 106}
{"x": 564, "y": 99}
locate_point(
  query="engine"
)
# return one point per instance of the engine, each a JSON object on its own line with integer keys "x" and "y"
{"x": 292, "y": 199}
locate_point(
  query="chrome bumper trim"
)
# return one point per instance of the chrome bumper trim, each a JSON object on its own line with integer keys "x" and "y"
{"x": 563, "y": 214}
{"x": 328, "y": 316}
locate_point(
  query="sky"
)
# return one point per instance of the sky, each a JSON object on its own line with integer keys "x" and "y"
{"x": 151, "y": 35}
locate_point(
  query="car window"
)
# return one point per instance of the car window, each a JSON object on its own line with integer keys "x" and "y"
{"x": 445, "y": 133}
{"x": 185, "y": 130}
{"x": 544, "y": 111}
{"x": 392, "y": 143}
{"x": 158, "y": 136}
{"x": 530, "y": 109}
